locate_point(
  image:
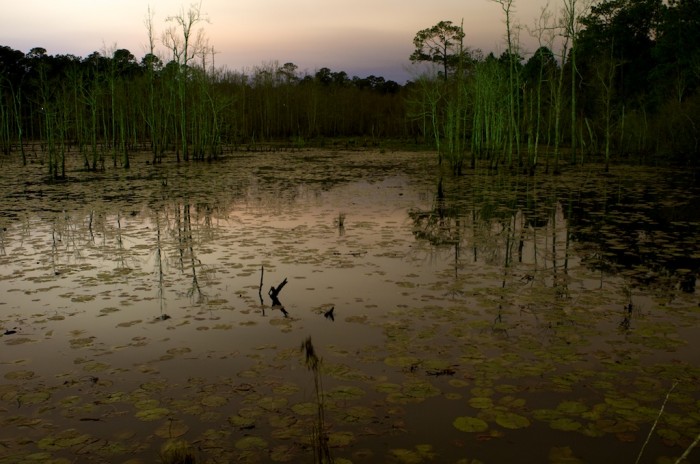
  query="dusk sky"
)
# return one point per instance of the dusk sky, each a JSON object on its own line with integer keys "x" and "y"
{"x": 360, "y": 37}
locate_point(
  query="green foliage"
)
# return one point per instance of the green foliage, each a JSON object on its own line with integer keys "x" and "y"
{"x": 619, "y": 81}
{"x": 440, "y": 44}
{"x": 108, "y": 106}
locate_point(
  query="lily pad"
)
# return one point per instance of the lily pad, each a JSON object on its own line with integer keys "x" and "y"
{"x": 358, "y": 414}
{"x": 146, "y": 403}
{"x": 564, "y": 423}
{"x": 470, "y": 424}
{"x": 272, "y": 403}
{"x": 402, "y": 361}
{"x": 284, "y": 453}
{"x": 386, "y": 387}
{"x": 572, "y": 407}
{"x": 19, "y": 375}
{"x": 563, "y": 455}
{"x": 172, "y": 429}
{"x": 214, "y": 401}
{"x": 406, "y": 456}
{"x": 286, "y": 389}
{"x": 152, "y": 414}
{"x": 305, "y": 409}
{"x": 481, "y": 402}
{"x": 345, "y": 392}
{"x": 343, "y": 438}
{"x": 18, "y": 341}
{"x": 95, "y": 367}
{"x": 420, "y": 389}
{"x": 63, "y": 440}
{"x": 129, "y": 323}
{"x": 251, "y": 443}
{"x": 621, "y": 402}
{"x": 511, "y": 420}
{"x": 34, "y": 397}
{"x": 241, "y": 422}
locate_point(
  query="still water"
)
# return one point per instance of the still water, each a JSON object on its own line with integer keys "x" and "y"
{"x": 490, "y": 318}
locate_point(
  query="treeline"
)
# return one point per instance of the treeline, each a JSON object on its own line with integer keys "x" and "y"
{"x": 106, "y": 107}
{"x": 615, "y": 81}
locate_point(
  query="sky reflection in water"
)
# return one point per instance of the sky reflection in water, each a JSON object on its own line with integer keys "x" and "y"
{"x": 477, "y": 288}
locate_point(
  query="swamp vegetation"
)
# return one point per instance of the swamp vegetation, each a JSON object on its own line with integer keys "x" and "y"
{"x": 497, "y": 259}
{"x": 610, "y": 81}
{"x": 454, "y": 319}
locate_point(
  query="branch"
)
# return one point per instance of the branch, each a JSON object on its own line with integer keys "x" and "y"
{"x": 275, "y": 291}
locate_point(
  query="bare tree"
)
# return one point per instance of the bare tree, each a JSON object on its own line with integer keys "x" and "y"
{"x": 179, "y": 39}
{"x": 513, "y": 78}
{"x": 544, "y": 32}
{"x": 572, "y": 11}
{"x": 184, "y": 46}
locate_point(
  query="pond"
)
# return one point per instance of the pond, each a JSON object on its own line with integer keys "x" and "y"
{"x": 354, "y": 306}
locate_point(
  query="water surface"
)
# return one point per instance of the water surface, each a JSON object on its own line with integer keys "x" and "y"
{"x": 479, "y": 319}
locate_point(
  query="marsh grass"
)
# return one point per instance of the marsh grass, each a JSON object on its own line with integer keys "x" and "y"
{"x": 322, "y": 453}
{"x": 177, "y": 452}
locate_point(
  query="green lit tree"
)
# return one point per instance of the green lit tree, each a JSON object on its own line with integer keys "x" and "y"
{"x": 440, "y": 44}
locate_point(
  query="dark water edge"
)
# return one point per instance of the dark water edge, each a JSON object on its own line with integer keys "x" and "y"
{"x": 559, "y": 311}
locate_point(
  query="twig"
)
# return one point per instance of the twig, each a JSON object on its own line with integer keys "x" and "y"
{"x": 653, "y": 427}
{"x": 275, "y": 291}
{"x": 262, "y": 272}
{"x": 689, "y": 449}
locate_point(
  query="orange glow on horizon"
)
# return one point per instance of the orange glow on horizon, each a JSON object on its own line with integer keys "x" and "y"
{"x": 362, "y": 35}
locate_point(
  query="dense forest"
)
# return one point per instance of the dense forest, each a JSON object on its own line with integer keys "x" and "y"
{"x": 615, "y": 81}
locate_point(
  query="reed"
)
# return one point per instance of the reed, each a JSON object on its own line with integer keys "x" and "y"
{"x": 177, "y": 452}
{"x": 653, "y": 427}
{"x": 322, "y": 453}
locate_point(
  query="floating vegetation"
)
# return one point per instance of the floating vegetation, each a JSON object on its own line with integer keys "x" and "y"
{"x": 19, "y": 375}
{"x": 499, "y": 308}
{"x": 470, "y": 424}
{"x": 251, "y": 443}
